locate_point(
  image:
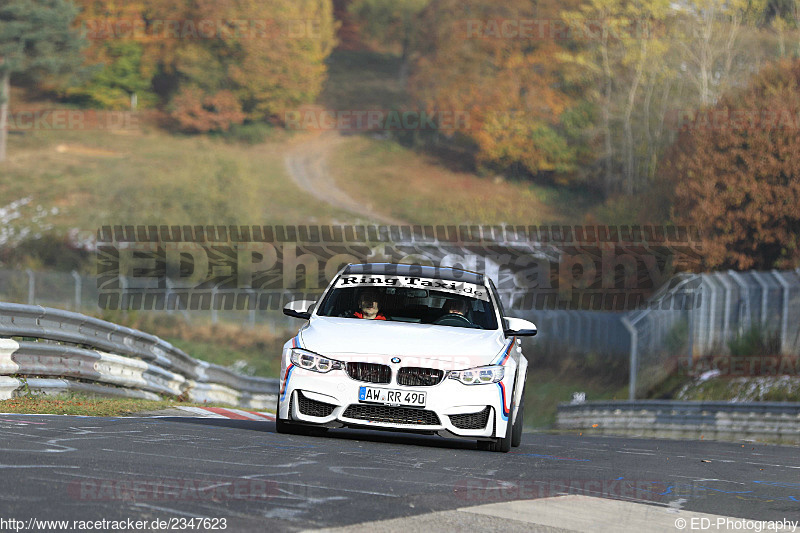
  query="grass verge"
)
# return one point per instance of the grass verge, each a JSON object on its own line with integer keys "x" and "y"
{"x": 545, "y": 389}
{"x": 83, "y": 405}
{"x": 254, "y": 351}
{"x": 78, "y": 180}
{"x": 414, "y": 187}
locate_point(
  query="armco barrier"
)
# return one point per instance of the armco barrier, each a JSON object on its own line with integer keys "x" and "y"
{"x": 763, "y": 421}
{"x": 50, "y": 350}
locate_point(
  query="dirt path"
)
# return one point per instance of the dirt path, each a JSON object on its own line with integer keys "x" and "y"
{"x": 307, "y": 163}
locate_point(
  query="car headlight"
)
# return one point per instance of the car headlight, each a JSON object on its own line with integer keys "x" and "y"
{"x": 316, "y": 363}
{"x": 479, "y": 375}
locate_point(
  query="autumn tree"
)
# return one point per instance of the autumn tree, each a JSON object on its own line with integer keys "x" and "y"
{"x": 483, "y": 59}
{"x": 389, "y": 22}
{"x": 735, "y": 173}
{"x": 274, "y": 62}
{"x": 622, "y": 59}
{"x": 210, "y": 63}
{"x": 651, "y": 61}
{"x": 36, "y": 38}
{"x": 709, "y": 35}
{"x": 122, "y": 61}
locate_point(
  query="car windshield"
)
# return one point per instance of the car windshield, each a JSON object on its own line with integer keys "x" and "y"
{"x": 408, "y": 304}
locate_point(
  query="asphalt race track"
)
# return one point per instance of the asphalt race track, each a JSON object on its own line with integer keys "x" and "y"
{"x": 81, "y": 468}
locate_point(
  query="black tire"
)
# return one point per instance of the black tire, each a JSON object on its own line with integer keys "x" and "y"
{"x": 501, "y": 444}
{"x": 516, "y": 433}
{"x": 285, "y": 427}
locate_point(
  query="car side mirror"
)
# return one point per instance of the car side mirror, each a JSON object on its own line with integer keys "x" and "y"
{"x": 518, "y": 327}
{"x": 299, "y": 309}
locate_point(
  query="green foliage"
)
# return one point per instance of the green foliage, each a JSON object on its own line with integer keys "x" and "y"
{"x": 389, "y": 22}
{"x": 257, "y": 73}
{"x": 48, "y": 251}
{"x": 677, "y": 338}
{"x": 112, "y": 86}
{"x": 249, "y": 133}
{"x": 36, "y": 37}
{"x": 755, "y": 341}
{"x": 547, "y": 388}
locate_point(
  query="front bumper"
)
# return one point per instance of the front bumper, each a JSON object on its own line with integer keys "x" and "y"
{"x": 452, "y": 408}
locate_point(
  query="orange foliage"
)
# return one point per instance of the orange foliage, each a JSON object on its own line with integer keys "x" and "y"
{"x": 510, "y": 88}
{"x": 198, "y": 113}
{"x": 735, "y": 173}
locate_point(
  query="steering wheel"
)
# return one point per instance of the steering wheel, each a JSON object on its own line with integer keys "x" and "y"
{"x": 453, "y": 319}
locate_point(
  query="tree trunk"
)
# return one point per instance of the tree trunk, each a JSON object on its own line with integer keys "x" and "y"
{"x": 627, "y": 126}
{"x": 606, "y": 115}
{"x": 5, "y": 96}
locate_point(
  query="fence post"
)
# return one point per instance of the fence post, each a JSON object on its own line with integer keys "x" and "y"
{"x": 214, "y": 304}
{"x": 744, "y": 294}
{"x": 634, "y": 358}
{"x": 764, "y": 294}
{"x": 77, "y": 279}
{"x": 785, "y": 310}
{"x": 31, "y": 286}
{"x": 727, "y": 305}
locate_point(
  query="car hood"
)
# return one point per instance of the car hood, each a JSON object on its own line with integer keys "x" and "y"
{"x": 351, "y": 339}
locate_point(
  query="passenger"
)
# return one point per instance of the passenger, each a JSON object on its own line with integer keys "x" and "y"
{"x": 370, "y": 309}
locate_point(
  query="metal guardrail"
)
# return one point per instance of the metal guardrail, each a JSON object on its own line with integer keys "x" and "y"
{"x": 767, "y": 421}
{"x": 51, "y": 350}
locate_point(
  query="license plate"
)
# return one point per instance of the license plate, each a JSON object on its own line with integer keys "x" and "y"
{"x": 391, "y": 397}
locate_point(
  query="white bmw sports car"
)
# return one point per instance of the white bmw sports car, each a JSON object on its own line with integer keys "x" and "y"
{"x": 406, "y": 348}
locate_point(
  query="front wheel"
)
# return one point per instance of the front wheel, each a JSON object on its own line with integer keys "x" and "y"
{"x": 502, "y": 444}
{"x": 285, "y": 427}
{"x": 516, "y": 432}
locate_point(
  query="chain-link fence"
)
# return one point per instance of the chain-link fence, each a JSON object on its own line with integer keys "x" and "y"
{"x": 79, "y": 293}
{"x": 693, "y": 315}
{"x": 713, "y": 314}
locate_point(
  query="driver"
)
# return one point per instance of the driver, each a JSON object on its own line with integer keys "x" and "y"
{"x": 456, "y": 307}
{"x": 369, "y": 306}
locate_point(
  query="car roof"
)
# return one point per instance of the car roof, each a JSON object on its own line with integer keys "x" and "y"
{"x": 422, "y": 271}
